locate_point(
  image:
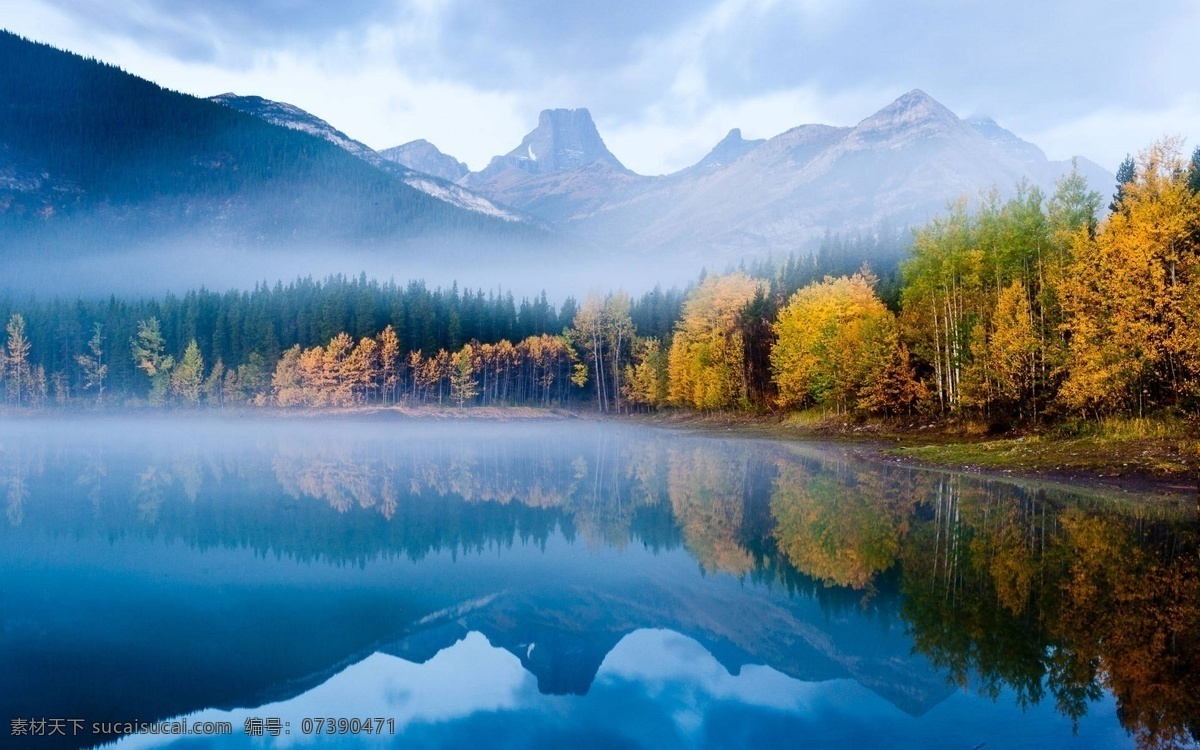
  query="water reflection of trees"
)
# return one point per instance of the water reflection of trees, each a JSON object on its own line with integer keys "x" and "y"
{"x": 1006, "y": 589}
{"x": 839, "y": 525}
{"x": 1064, "y": 600}
{"x": 346, "y": 499}
{"x": 708, "y": 491}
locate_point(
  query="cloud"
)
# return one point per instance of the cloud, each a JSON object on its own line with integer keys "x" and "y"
{"x": 664, "y": 80}
{"x": 228, "y": 31}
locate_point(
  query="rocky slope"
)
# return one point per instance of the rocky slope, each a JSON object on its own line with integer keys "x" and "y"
{"x": 899, "y": 166}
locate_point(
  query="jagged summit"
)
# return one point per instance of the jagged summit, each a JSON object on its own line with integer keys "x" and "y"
{"x": 728, "y": 150}
{"x": 899, "y": 165}
{"x": 564, "y": 139}
{"x": 423, "y": 156}
{"x": 913, "y": 114}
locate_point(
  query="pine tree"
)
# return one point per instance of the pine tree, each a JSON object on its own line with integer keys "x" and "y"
{"x": 1193, "y": 181}
{"x": 1126, "y": 173}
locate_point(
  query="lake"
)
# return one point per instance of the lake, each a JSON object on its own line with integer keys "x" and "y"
{"x": 546, "y": 584}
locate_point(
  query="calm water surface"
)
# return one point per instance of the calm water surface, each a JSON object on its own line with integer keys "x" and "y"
{"x": 530, "y": 585}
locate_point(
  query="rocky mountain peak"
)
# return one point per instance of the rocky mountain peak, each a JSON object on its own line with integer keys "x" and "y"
{"x": 422, "y": 156}
{"x": 563, "y": 139}
{"x": 915, "y": 113}
{"x": 293, "y": 117}
{"x": 728, "y": 150}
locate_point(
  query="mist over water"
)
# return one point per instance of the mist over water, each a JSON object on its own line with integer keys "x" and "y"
{"x": 533, "y": 579}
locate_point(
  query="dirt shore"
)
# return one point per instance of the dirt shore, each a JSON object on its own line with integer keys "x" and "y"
{"x": 1162, "y": 466}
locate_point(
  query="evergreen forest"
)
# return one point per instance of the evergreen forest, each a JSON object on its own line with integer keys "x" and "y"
{"x": 1003, "y": 312}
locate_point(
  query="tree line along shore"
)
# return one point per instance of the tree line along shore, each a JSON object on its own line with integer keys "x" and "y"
{"x": 1026, "y": 313}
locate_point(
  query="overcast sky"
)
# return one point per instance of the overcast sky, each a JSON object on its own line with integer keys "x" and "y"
{"x": 664, "y": 79}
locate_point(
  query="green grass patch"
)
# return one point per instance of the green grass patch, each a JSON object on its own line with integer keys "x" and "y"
{"x": 1126, "y": 448}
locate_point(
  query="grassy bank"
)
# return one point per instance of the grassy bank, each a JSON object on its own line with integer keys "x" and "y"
{"x": 1143, "y": 454}
{"x": 1141, "y": 450}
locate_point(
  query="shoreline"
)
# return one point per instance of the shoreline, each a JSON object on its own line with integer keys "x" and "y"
{"x": 1162, "y": 470}
{"x": 1163, "y": 467}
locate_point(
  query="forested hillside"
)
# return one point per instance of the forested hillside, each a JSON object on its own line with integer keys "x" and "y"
{"x": 99, "y": 159}
{"x": 1024, "y": 311}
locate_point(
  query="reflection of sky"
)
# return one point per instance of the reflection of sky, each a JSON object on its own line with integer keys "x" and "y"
{"x": 656, "y": 689}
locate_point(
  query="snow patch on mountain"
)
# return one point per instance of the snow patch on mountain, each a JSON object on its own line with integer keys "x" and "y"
{"x": 295, "y": 118}
{"x": 459, "y": 196}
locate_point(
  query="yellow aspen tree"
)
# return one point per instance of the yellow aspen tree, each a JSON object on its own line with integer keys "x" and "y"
{"x": 286, "y": 381}
{"x": 187, "y": 379}
{"x": 1130, "y": 294}
{"x": 389, "y": 355}
{"x": 706, "y": 364}
{"x": 833, "y": 339}
{"x": 19, "y": 372}
{"x": 338, "y": 376}
{"x": 316, "y": 386}
{"x": 361, "y": 369}
{"x": 463, "y": 387}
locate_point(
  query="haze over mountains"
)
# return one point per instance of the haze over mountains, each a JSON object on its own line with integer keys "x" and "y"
{"x": 900, "y": 165}
{"x": 751, "y": 197}
{"x": 94, "y": 161}
{"x": 897, "y": 167}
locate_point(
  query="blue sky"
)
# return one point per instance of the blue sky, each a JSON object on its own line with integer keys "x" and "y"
{"x": 664, "y": 80}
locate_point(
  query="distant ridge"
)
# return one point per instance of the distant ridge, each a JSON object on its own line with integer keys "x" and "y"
{"x": 731, "y": 148}
{"x": 428, "y": 182}
{"x": 899, "y": 166}
{"x": 97, "y": 158}
{"x": 93, "y": 158}
{"x": 423, "y": 156}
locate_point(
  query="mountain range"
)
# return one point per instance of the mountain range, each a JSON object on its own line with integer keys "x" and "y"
{"x": 897, "y": 167}
{"x": 94, "y": 160}
{"x": 432, "y": 176}
{"x": 900, "y": 166}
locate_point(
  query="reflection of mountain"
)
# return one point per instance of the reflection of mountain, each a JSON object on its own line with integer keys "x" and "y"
{"x": 260, "y": 560}
{"x": 247, "y": 633}
{"x": 562, "y": 637}
{"x": 658, "y": 690}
